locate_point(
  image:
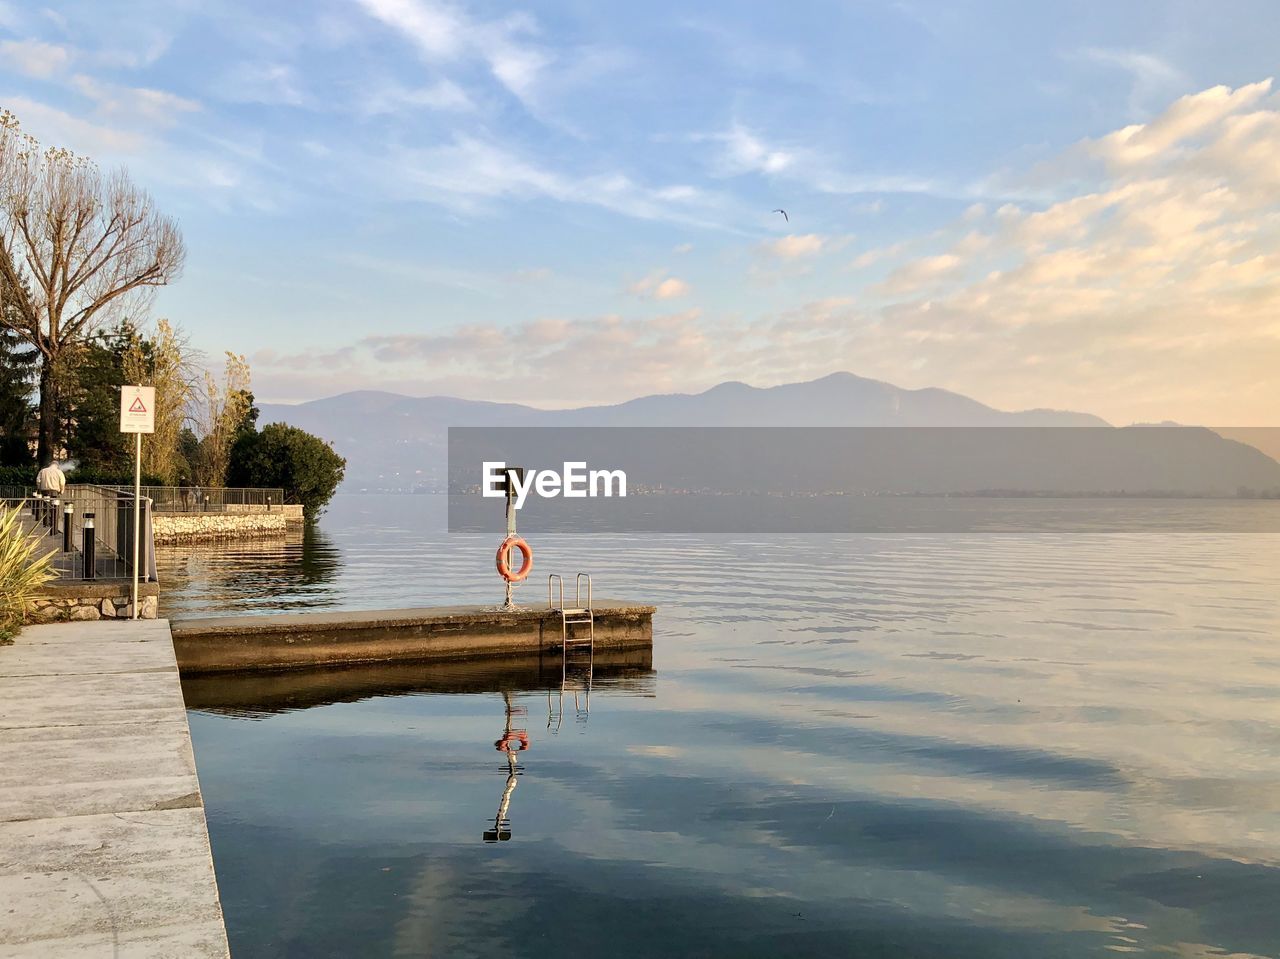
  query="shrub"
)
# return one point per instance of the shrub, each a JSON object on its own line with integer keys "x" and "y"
{"x": 17, "y": 475}
{"x": 303, "y": 465}
{"x": 22, "y": 571}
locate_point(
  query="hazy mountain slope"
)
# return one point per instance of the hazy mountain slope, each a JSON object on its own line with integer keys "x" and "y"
{"x": 399, "y": 442}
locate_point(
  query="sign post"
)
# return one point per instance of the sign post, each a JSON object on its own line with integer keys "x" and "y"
{"x": 137, "y": 416}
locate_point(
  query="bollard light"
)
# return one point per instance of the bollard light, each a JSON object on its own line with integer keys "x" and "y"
{"x": 90, "y": 560}
{"x": 55, "y": 514}
{"x": 68, "y": 515}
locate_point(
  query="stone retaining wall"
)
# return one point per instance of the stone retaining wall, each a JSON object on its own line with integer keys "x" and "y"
{"x": 73, "y": 602}
{"x": 202, "y": 527}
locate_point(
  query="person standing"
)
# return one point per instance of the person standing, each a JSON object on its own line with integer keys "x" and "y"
{"x": 50, "y": 481}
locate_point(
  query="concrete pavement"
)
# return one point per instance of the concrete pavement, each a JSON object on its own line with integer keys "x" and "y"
{"x": 103, "y": 845}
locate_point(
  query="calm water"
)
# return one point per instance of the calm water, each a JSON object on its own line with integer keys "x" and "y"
{"x": 959, "y": 746}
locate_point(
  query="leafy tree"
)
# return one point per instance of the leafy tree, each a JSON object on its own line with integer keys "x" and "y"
{"x": 17, "y": 372}
{"x": 249, "y": 420}
{"x": 304, "y": 466}
{"x": 76, "y": 247}
{"x": 89, "y": 406}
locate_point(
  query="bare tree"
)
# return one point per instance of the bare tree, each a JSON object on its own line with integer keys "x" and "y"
{"x": 166, "y": 362}
{"x": 77, "y": 247}
{"x": 221, "y": 415}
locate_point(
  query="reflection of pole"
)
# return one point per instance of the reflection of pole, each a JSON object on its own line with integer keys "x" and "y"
{"x": 513, "y": 741}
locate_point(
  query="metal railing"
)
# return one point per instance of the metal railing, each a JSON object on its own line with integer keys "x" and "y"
{"x": 196, "y": 499}
{"x": 15, "y": 494}
{"x": 108, "y": 511}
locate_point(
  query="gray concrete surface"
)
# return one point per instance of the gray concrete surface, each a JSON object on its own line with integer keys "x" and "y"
{"x": 103, "y": 846}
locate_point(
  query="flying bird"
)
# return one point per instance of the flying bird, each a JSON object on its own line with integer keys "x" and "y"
{"x": 784, "y": 215}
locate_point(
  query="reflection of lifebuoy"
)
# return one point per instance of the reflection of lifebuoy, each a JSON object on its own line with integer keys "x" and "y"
{"x": 515, "y": 741}
{"x": 504, "y": 559}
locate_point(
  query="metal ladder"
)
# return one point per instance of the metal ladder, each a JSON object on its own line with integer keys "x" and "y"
{"x": 579, "y": 614}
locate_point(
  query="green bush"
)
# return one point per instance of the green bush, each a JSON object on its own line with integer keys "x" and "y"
{"x": 22, "y": 571}
{"x": 303, "y": 465}
{"x": 17, "y": 476}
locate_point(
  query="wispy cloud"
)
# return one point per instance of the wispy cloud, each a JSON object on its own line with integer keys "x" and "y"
{"x": 741, "y": 150}
{"x": 35, "y": 58}
{"x": 745, "y": 152}
{"x": 468, "y": 172}
{"x": 795, "y": 246}
{"x": 446, "y": 32}
{"x": 133, "y": 105}
{"x": 659, "y": 286}
{"x": 1152, "y": 76}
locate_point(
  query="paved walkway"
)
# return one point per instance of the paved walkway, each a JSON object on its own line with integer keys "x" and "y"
{"x": 103, "y": 845}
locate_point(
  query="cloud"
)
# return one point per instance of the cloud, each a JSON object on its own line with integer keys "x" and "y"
{"x": 133, "y": 105}
{"x": 659, "y": 286}
{"x": 444, "y": 32}
{"x": 1152, "y": 286}
{"x": 1188, "y": 117}
{"x": 744, "y": 152}
{"x": 443, "y": 95}
{"x": 1152, "y": 75}
{"x": 468, "y": 172}
{"x": 275, "y": 84}
{"x": 795, "y": 246}
{"x": 35, "y": 58}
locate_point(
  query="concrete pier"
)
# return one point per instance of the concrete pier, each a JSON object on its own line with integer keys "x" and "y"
{"x": 431, "y": 633}
{"x": 104, "y": 850}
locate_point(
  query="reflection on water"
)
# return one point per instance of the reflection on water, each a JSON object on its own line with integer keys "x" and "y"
{"x": 895, "y": 746}
{"x": 289, "y": 571}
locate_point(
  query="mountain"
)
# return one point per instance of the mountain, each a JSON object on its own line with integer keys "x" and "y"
{"x": 398, "y": 442}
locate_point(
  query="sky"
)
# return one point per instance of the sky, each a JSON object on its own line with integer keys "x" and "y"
{"x": 1062, "y": 205}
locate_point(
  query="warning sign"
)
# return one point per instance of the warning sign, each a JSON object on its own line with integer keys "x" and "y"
{"x": 137, "y": 409}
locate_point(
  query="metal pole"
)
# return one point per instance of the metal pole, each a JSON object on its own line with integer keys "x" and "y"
{"x": 511, "y": 531}
{"x": 89, "y": 559}
{"x": 137, "y": 515}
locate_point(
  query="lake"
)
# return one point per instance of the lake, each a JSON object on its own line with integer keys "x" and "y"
{"x": 976, "y": 745}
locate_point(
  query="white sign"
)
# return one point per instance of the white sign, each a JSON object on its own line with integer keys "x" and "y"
{"x": 137, "y": 409}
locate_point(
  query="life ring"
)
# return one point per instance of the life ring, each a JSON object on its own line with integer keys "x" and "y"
{"x": 504, "y": 559}
{"x": 515, "y": 741}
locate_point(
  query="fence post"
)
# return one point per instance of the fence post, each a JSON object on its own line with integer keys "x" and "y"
{"x": 90, "y": 560}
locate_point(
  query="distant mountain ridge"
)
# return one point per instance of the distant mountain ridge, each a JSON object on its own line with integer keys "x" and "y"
{"x": 399, "y": 442}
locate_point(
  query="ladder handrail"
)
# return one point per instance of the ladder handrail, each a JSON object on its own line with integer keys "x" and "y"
{"x": 577, "y": 590}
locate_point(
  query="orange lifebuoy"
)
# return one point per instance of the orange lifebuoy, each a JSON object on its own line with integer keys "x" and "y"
{"x": 515, "y": 741}
{"x": 504, "y": 559}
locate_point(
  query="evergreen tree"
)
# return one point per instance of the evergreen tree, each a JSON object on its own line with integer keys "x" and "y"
{"x": 17, "y": 382}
